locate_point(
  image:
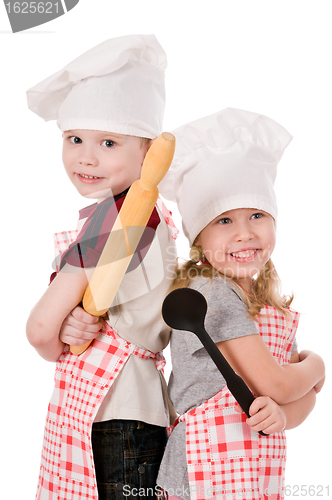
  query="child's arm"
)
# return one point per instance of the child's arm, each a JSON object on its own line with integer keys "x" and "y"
{"x": 301, "y": 357}
{"x": 298, "y": 411}
{"x": 46, "y": 318}
{"x": 252, "y": 360}
{"x": 269, "y": 417}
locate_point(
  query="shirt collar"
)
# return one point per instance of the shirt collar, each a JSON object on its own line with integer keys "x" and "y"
{"x": 86, "y": 211}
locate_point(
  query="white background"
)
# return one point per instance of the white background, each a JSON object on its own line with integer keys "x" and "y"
{"x": 272, "y": 57}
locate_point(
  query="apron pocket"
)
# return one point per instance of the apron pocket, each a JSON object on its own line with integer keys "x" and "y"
{"x": 229, "y": 435}
{"x": 76, "y": 461}
{"x": 236, "y": 479}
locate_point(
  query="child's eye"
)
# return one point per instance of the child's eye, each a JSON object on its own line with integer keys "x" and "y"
{"x": 108, "y": 144}
{"x": 224, "y": 220}
{"x": 257, "y": 216}
{"x": 75, "y": 140}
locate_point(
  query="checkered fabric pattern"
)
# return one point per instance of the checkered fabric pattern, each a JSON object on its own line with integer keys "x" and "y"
{"x": 168, "y": 218}
{"x": 62, "y": 241}
{"x": 81, "y": 382}
{"x": 225, "y": 458}
{"x": 278, "y": 331}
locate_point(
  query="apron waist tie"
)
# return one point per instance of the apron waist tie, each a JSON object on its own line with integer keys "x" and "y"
{"x": 135, "y": 350}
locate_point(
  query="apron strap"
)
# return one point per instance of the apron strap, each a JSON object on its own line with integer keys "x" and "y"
{"x": 62, "y": 241}
{"x": 168, "y": 218}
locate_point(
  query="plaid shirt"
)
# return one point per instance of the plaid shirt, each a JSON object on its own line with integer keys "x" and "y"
{"x": 225, "y": 458}
{"x": 90, "y": 241}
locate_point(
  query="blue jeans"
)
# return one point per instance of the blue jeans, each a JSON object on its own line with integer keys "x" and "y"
{"x": 127, "y": 456}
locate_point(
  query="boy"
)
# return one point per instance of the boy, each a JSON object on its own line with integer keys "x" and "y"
{"x": 109, "y": 105}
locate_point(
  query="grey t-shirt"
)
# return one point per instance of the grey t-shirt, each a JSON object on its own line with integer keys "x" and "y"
{"x": 195, "y": 378}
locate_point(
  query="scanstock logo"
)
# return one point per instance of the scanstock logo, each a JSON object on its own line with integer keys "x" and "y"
{"x": 27, "y": 14}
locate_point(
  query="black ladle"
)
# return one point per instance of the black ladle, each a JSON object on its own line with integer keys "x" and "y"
{"x": 185, "y": 309}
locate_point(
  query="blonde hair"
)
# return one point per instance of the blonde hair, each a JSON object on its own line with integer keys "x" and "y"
{"x": 265, "y": 289}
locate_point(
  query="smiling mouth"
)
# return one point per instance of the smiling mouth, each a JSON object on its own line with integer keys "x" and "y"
{"x": 88, "y": 176}
{"x": 244, "y": 255}
{"x": 88, "y": 179}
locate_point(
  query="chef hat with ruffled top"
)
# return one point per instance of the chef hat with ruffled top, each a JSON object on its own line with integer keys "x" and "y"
{"x": 222, "y": 162}
{"x": 117, "y": 86}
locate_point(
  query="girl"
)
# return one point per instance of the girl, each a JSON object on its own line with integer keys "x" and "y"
{"x": 222, "y": 180}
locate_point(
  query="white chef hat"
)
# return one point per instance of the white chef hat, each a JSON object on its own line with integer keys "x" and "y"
{"x": 117, "y": 86}
{"x": 222, "y": 162}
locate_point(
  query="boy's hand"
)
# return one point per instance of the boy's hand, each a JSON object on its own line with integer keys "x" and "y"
{"x": 266, "y": 416}
{"x": 79, "y": 327}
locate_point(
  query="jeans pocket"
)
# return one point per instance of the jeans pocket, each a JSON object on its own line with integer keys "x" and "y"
{"x": 148, "y": 473}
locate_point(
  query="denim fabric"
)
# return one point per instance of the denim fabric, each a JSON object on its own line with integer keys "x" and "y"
{"x": 127, "y": 456}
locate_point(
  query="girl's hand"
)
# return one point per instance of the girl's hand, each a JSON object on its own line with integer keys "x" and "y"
{"x": 318, "y": 387}
{"x": 266, "y": 416}
{"x": 79, "y": 327}
{"x": 305, "y": 354}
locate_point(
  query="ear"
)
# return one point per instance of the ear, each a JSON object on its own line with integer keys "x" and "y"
{"x": 147, "y": 145}
{"x": 150, "y": 143}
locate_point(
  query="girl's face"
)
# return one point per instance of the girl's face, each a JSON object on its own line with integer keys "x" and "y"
{"x": 238, "y": 243}
{"x": 102, "y": 161}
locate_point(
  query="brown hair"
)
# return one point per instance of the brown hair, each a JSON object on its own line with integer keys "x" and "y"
{"x": 145, "y": 141}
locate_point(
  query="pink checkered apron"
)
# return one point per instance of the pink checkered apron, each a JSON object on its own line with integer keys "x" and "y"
{"x": 225, "y": 458}
{"x": 81, "y": 382}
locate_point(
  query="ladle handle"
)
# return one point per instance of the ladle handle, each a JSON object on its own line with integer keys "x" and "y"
{"x": 235, "y": 384}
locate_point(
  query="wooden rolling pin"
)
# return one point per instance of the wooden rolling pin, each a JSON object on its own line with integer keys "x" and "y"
{"x": 128, "y": 228}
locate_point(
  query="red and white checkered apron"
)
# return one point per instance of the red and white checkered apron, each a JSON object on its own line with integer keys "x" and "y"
{"x": 225, "y": 458}
{"x": 81, "y": 382}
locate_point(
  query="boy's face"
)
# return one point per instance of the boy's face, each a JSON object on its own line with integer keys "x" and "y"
{"x": 96, "y": 161}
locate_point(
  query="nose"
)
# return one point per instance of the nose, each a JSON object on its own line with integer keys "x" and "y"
{"x": 88, "y": 157}
{"x": 243, "y": 232}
